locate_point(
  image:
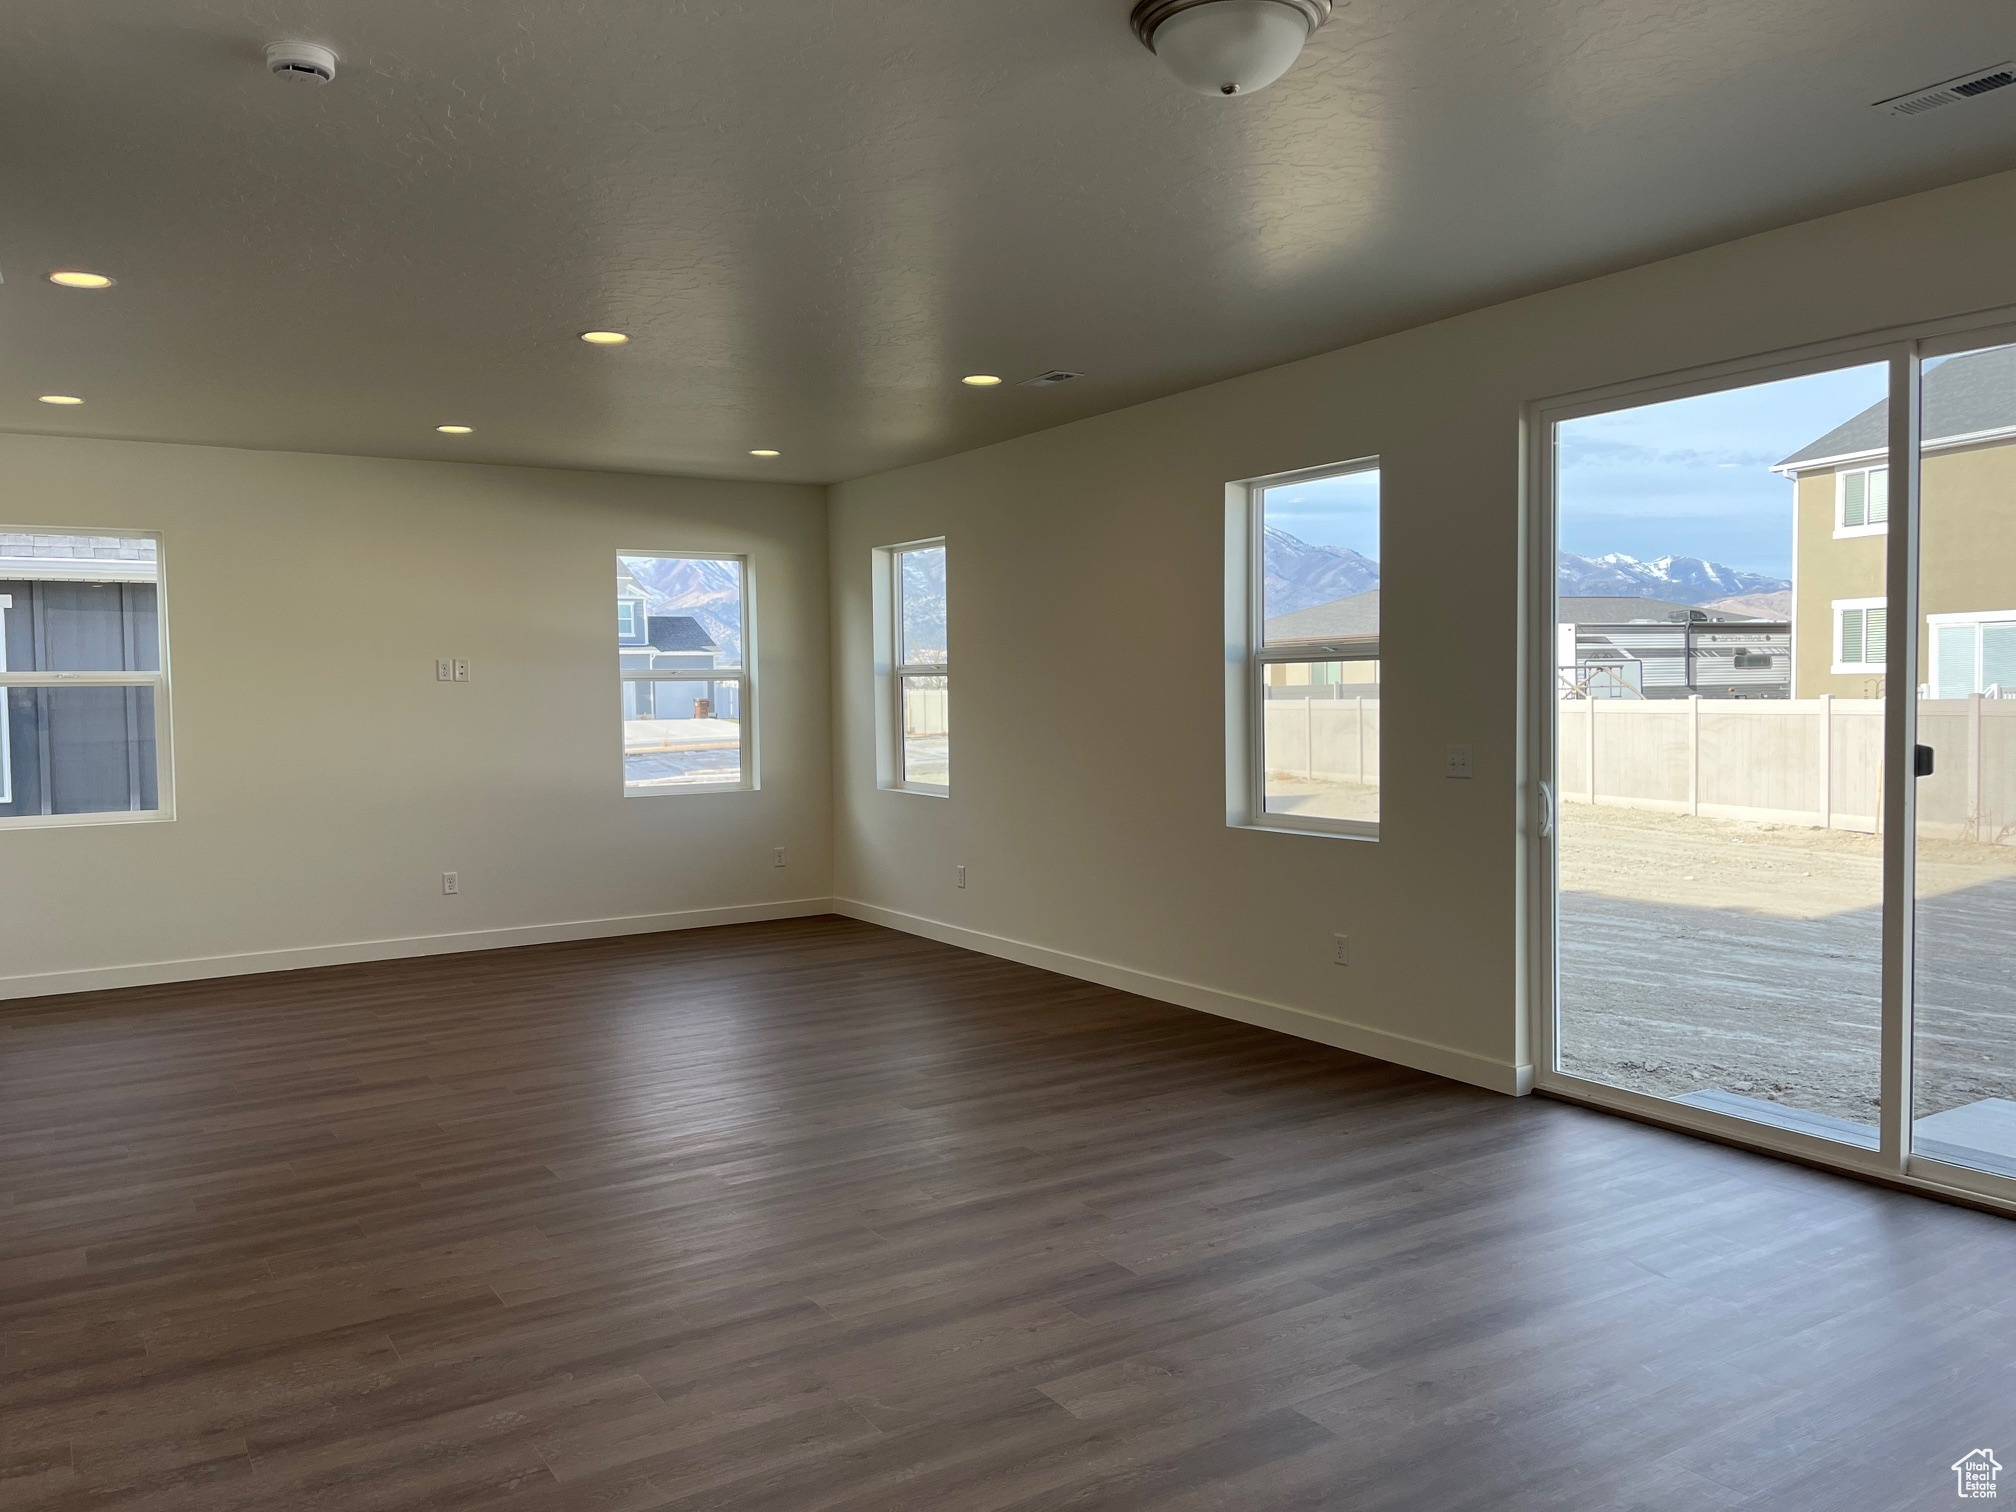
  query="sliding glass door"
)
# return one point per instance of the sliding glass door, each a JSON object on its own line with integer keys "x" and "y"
{"x": 1774, "y": 839}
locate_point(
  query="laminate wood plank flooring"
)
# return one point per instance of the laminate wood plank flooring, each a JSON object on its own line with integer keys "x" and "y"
{"x": 811, "y": 1215}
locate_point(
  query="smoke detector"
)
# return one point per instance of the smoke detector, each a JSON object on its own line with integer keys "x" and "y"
{"x": 1952, "y": 92}
{"x": 1228, "y": 47}
{"x": 301, "y": 60}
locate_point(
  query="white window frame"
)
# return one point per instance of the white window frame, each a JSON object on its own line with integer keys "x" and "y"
{"x": 1842, "y": 529}
{"x": 164, "y": 747}
{"x": 1247, "y": 658}
{"x": 1838, "y": 609}
{"x": 743, "y": 676}
{"x": 639, "y": 619}
{"x": 890, "y": 672}
{"x": 1978, "y": 619}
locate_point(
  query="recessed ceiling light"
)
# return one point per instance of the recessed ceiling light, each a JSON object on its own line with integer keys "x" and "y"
{"x": 604, "y": 338}
{"x": 71, "y": 278}
{"x": 764, "y": 451}
{"x": 980, "y": 380}
{"x": 60, "y": 399}
{"x": 455, "y": 430}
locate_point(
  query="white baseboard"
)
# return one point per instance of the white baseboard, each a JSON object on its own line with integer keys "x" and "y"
{"x": 153, "y": 973}
{"x": 1380, "y": 1044}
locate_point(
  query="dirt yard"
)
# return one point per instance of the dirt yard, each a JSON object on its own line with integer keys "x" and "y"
{"x": 1701, "y": 953}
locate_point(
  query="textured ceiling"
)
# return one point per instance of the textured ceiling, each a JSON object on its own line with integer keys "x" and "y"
{"x": 815, "y": 215}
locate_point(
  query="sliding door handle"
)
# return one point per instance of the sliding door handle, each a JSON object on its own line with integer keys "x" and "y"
{"x": 1921, "y": 761}
{"x": 1546, "y": 809}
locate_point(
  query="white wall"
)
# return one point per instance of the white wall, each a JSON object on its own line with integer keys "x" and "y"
{"x": 1098, "y": 843}
{"x": 325, "y": 780}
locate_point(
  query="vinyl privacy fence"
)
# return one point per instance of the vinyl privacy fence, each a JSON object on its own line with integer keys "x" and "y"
{"x": 1816, "y": 761}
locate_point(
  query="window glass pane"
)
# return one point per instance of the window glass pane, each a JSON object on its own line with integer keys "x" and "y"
{"x": 1955, "y": 655}
{"x": 692, "y": 608}
{"x": 681, "y": 733}
{"x": 1998, "y": 660}
{"x": 79, "y": 603}
{"x": 920, "y": 621}
{"x": 1320, "y": 559}
{"x": 927, "y": 731}
{"x": 1720, "y": 869}
{"x": 1879, "y": 495}
{"x": 77, "y": 751}
{"x": 1320, "y": 739}
{"x": 1874, "y": 627}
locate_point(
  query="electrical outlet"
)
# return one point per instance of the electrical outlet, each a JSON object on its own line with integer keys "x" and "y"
{"x": 451, "y": 883}
{"x": 1342, "y": 955}
{"x": 962, "y": 876}
{"x": 461, "y": 670}
{"x": 1456, "y": 762}
{"x": 777, "y": 856}
{"x": 444, "y": 670}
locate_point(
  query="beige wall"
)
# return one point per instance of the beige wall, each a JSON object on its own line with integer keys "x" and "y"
{"x": 325, "y": 780}
{"x": 1088, "y": 799}
{"x": 1967, "y": 559}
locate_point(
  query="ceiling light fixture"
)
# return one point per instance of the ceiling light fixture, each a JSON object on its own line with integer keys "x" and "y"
{"x": 71, "y": 278}
{"x": 1228, "y": 47}
{"x": 981, "y": 380}
{"x": 604, "y": 338}
{"x": 456, "y": 430}
{"x": 764, "y": 451}
{"x": 59, "y": 399}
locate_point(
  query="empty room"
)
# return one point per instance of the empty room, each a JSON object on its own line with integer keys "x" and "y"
{"x": 704, "y": 802}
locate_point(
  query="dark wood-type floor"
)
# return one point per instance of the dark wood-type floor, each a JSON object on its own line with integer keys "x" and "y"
{"x": 811, "y": 1215}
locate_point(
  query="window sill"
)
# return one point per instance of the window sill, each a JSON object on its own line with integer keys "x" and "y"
{"x": 1848, "y": 532}
{"x": 1340, "y": 829}
{"x": 688, "y": 790}
{"x": 918, "y": 790}
{"x": 80, "y": 821}
{"x": 1841, "y": 669}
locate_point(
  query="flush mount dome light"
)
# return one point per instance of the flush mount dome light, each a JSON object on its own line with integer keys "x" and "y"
{"x": 1228, "y": 47}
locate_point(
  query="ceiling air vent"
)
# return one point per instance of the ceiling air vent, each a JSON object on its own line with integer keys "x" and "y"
{"x": 1049, "y": 380}
{"x": 1952, "y": 92}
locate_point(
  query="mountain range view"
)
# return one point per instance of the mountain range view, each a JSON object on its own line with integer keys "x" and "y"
{"x": 1300, "y": 575}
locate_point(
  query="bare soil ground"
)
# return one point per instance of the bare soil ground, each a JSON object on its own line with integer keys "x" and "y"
{"x": 1701, "y": 953}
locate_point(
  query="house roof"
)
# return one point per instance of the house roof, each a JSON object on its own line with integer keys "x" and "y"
{"x": 1963, "y": 396}
{"x": 1625, "y": 609}
{"x": 677, "y": 632}
{"x": 1340, "y": 619}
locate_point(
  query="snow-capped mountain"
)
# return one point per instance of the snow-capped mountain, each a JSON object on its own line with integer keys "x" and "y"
{"x": 1300, "y": 575}
{"x": 1682, "y": 579}
{"x": 708, "y": 591}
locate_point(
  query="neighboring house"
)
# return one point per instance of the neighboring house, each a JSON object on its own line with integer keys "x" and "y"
{"x": 632, "y": 605}
{"x": 671, "y": 642}
{"x": 70, "y": 604}
{"x": 1350, "y": 623}
{"x": 1967, "y": 545}
{"x": 1629, "y": 647}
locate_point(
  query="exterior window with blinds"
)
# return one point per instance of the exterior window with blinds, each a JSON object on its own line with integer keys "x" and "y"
{"x": 1973, "y": 653}
{"x": 1860, "y": 635}
{"x": 1864, "y": 501}
{"x": 83, "y": 680}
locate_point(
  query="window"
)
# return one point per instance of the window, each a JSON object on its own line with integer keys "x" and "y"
{"x": 1862, "y": 501}
{"x": 83, "y": 680}
{"x": 1305, "y": 742}
{"x": 1973, "y": 653}
{"x": 917, "y": 649}
{"x": 630, "y": 620}
{"x": 1860, "y": 634}
{"x": 687, "y": 686}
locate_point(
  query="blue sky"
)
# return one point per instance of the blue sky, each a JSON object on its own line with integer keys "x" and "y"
{"x": 1690, "y": 477}
{"x": 1693, "y": 476}
{"x": 1330, "y": 512}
